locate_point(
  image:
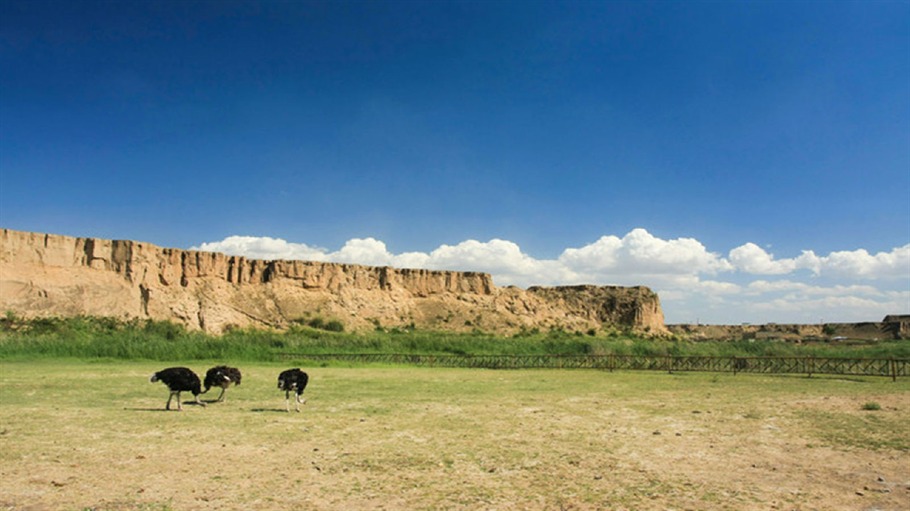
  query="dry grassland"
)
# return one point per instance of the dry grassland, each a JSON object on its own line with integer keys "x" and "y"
{"x": 76, "y": 435}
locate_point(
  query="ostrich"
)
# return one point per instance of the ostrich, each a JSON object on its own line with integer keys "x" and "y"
{"x": 221, "y": 376}
{"x": 292, "y": 380}
{"x": 178, "y": 379}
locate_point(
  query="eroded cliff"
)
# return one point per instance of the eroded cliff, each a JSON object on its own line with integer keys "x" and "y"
{"x": 54, "y": 275}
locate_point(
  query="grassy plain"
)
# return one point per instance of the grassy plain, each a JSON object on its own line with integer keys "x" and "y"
{"x": 94, "y": 435}
{"x": 91, "y": 337}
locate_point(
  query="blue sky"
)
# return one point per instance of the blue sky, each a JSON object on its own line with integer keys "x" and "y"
{"x": 750, "y": 161}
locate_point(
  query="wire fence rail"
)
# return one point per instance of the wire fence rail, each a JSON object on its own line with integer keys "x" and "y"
{"x": 888, "y": 367}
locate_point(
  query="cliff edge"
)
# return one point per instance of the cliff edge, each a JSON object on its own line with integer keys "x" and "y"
{"x": 54, "y": 275}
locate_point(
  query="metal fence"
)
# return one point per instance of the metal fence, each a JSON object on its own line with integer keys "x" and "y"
{"x": 892, "y": 368}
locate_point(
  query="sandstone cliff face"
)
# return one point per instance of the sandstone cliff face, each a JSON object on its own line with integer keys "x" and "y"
{"x": 614, "y": 305}
{"x": 53, "y": 275}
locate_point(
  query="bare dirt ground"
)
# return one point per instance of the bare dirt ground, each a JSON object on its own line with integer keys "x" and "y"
{"x": 96, "y": 436}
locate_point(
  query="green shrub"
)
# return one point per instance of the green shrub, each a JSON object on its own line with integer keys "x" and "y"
{"x": 90, "y": 337}
{"x": 334, "y": 326}
{"x": 164, "y": 329}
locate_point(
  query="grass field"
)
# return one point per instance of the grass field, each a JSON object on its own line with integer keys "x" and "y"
{"x": 94, "y": 337}
{"x": 94, "y": 435}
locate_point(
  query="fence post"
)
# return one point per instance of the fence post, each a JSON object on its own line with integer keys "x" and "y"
{"x": 734, "y": 365}
{"x": 893, "y": 370}
{"x": 810, "y": 364}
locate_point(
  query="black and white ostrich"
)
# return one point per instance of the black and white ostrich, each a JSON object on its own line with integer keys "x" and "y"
{"x": 179, "y": 379}
{"x": 221, "y": 376}
{"x": 293, "y": 380}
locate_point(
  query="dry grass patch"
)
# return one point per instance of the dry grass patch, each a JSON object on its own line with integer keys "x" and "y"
{"x": 402, "y": 438}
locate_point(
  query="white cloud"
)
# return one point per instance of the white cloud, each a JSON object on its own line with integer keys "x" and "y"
{"x": 718, "y": 288}
{"x": 760, "y": 287}
{"x": 860, "y": 264}
{"x": 640, "y": 252}
{"x": 800, "y": 289}
{"x": 856, "y": 264}
{"x": 834, "y": 309}
{"x": 366, "y": 251}
{"x": 494, "y": 256}
{"x": 500, "y": 258}
{"x": 263, "y": 247}
{"x": 751, "y": 258}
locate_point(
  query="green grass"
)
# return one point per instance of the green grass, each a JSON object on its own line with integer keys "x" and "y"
{"x": 851, "y": 431}
{"x": 89, "y": 337}
{"x": 419, "y": 438}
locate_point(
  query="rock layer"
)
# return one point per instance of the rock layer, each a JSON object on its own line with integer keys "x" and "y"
{"x": 54, "y": 275}
{"x": 891, "y": 327}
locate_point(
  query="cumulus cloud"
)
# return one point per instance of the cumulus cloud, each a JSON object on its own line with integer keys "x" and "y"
{"x": 751, "y": 258}
{"x": 366, "y": 251}
{"x": 263, "y": 247}
{"x": 856, "y": 264}
{"x": 861, "y": 264}
{"x": 641, "y": 252}
{"x": 494, "y": 256}
{"x": 691, "y": 280}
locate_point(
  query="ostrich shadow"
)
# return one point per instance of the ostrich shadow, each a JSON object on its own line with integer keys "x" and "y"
{"x": 161, "y": 409}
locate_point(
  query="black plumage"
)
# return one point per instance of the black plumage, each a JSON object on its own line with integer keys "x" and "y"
{"x": 179, "y": 379}
{"x": 221, "y": 376}
{"x": 293, "y": 380}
